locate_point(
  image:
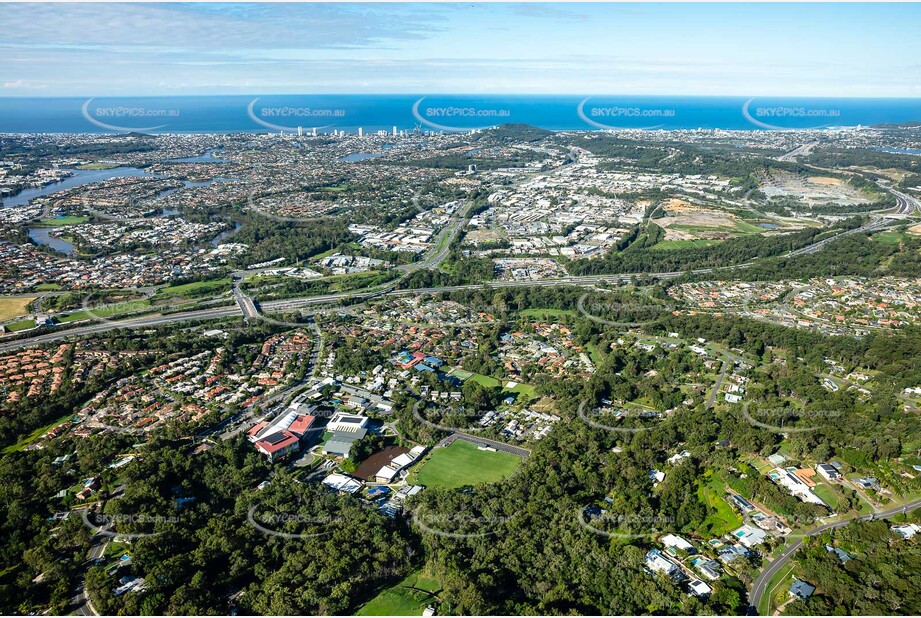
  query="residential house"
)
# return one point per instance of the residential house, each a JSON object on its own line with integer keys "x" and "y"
{"x": 828, "y": 471}
{"x": 801, "y": 590}
{"x": 707, "y": 567}
{"x": 699, "y": 588}
{"x": 842, "y": 555}
{"x": 743, "y": 505}
{"x": 657, "y": 561}
{"x": 731, "y": 553}
{"x": 906, "y": 531}
{"x": 749, "y": 536}
{"x": 677, "y": 542}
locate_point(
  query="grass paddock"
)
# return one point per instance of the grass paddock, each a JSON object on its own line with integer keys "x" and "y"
{"x": 463, "y": 463}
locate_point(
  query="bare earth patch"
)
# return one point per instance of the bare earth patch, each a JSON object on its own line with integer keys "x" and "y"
{"x": 824, "y": 180}
{"x": 720, "y": 222}
{"x": 14, "y": 307}
{"x": 673, "y": 234}
{"x": 677, "y": 205}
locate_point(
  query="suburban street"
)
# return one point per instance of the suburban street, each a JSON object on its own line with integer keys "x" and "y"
{"x": 719, "y": 380}
{"x": 760, "y": 584}
{"x": 578, "y": 309}
{"x": 83, "y": 606}
{"x": 297, "y": 303}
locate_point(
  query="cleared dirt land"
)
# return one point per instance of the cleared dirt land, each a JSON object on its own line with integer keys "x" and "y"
{"x": 703, "y": 224}
{"x": 824, "y": 180}
{"x": 812, "y": 190}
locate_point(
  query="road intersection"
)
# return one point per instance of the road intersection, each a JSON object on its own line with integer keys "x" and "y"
{"x": 760, "y": 584}
{"x": 250, "y": 309}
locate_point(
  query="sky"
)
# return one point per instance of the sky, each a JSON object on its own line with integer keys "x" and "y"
{"x": 851, "y": 50}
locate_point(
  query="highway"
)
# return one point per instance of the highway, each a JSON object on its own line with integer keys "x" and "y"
{"x": 244, "y": 302}
{"x": 760, "y": 584}
{"x": 805, "y": 149}
{"x": 873, "y": 226}
{"x": 390, "y": 290}
{"x": 133, "y": 323}
{"x": 906, "y": 204}
{"x": 442, "y": 245}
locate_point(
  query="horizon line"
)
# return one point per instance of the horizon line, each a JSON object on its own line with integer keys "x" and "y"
{"x": 452, "y": 94}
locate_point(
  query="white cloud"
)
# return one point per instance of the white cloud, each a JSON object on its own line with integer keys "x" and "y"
{"x": 21, "y": 84}
{"x": 134, "y": 49}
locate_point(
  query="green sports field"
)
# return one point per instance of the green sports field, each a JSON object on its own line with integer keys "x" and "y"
{"x": 62, "y": 221}
{"x": 408, "y": 598}
{"x": 462, "y": 463}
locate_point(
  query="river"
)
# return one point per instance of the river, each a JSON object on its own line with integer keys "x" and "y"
{"x": 80, "y": 177}
{"x": 358, "y": 156}
{"x": 217, "y": 239}
{"x": 42, "y": 235}
{"x": 208, "y": 157}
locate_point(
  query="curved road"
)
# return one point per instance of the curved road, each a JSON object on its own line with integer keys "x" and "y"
{"x": 389, "y": 290}
{"x": 760, "y": 584}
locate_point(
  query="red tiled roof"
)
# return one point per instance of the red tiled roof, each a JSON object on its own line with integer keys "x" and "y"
{"x": 301, "y": 424}
{"x": 275, "y": 442}
{"x": 257, "y": 428}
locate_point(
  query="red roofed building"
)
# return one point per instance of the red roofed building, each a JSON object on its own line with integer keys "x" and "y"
{"x": 255, "y": 429}
{"x": 278, "y": 445}
{"x": 301, "y": 425}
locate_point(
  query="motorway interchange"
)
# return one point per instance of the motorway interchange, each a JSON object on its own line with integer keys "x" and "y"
{"x": 252, "y": 310}
{"x": 907, "y": 206}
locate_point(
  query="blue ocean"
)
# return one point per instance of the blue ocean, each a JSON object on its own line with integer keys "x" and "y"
{"x": 374, "y": 113}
